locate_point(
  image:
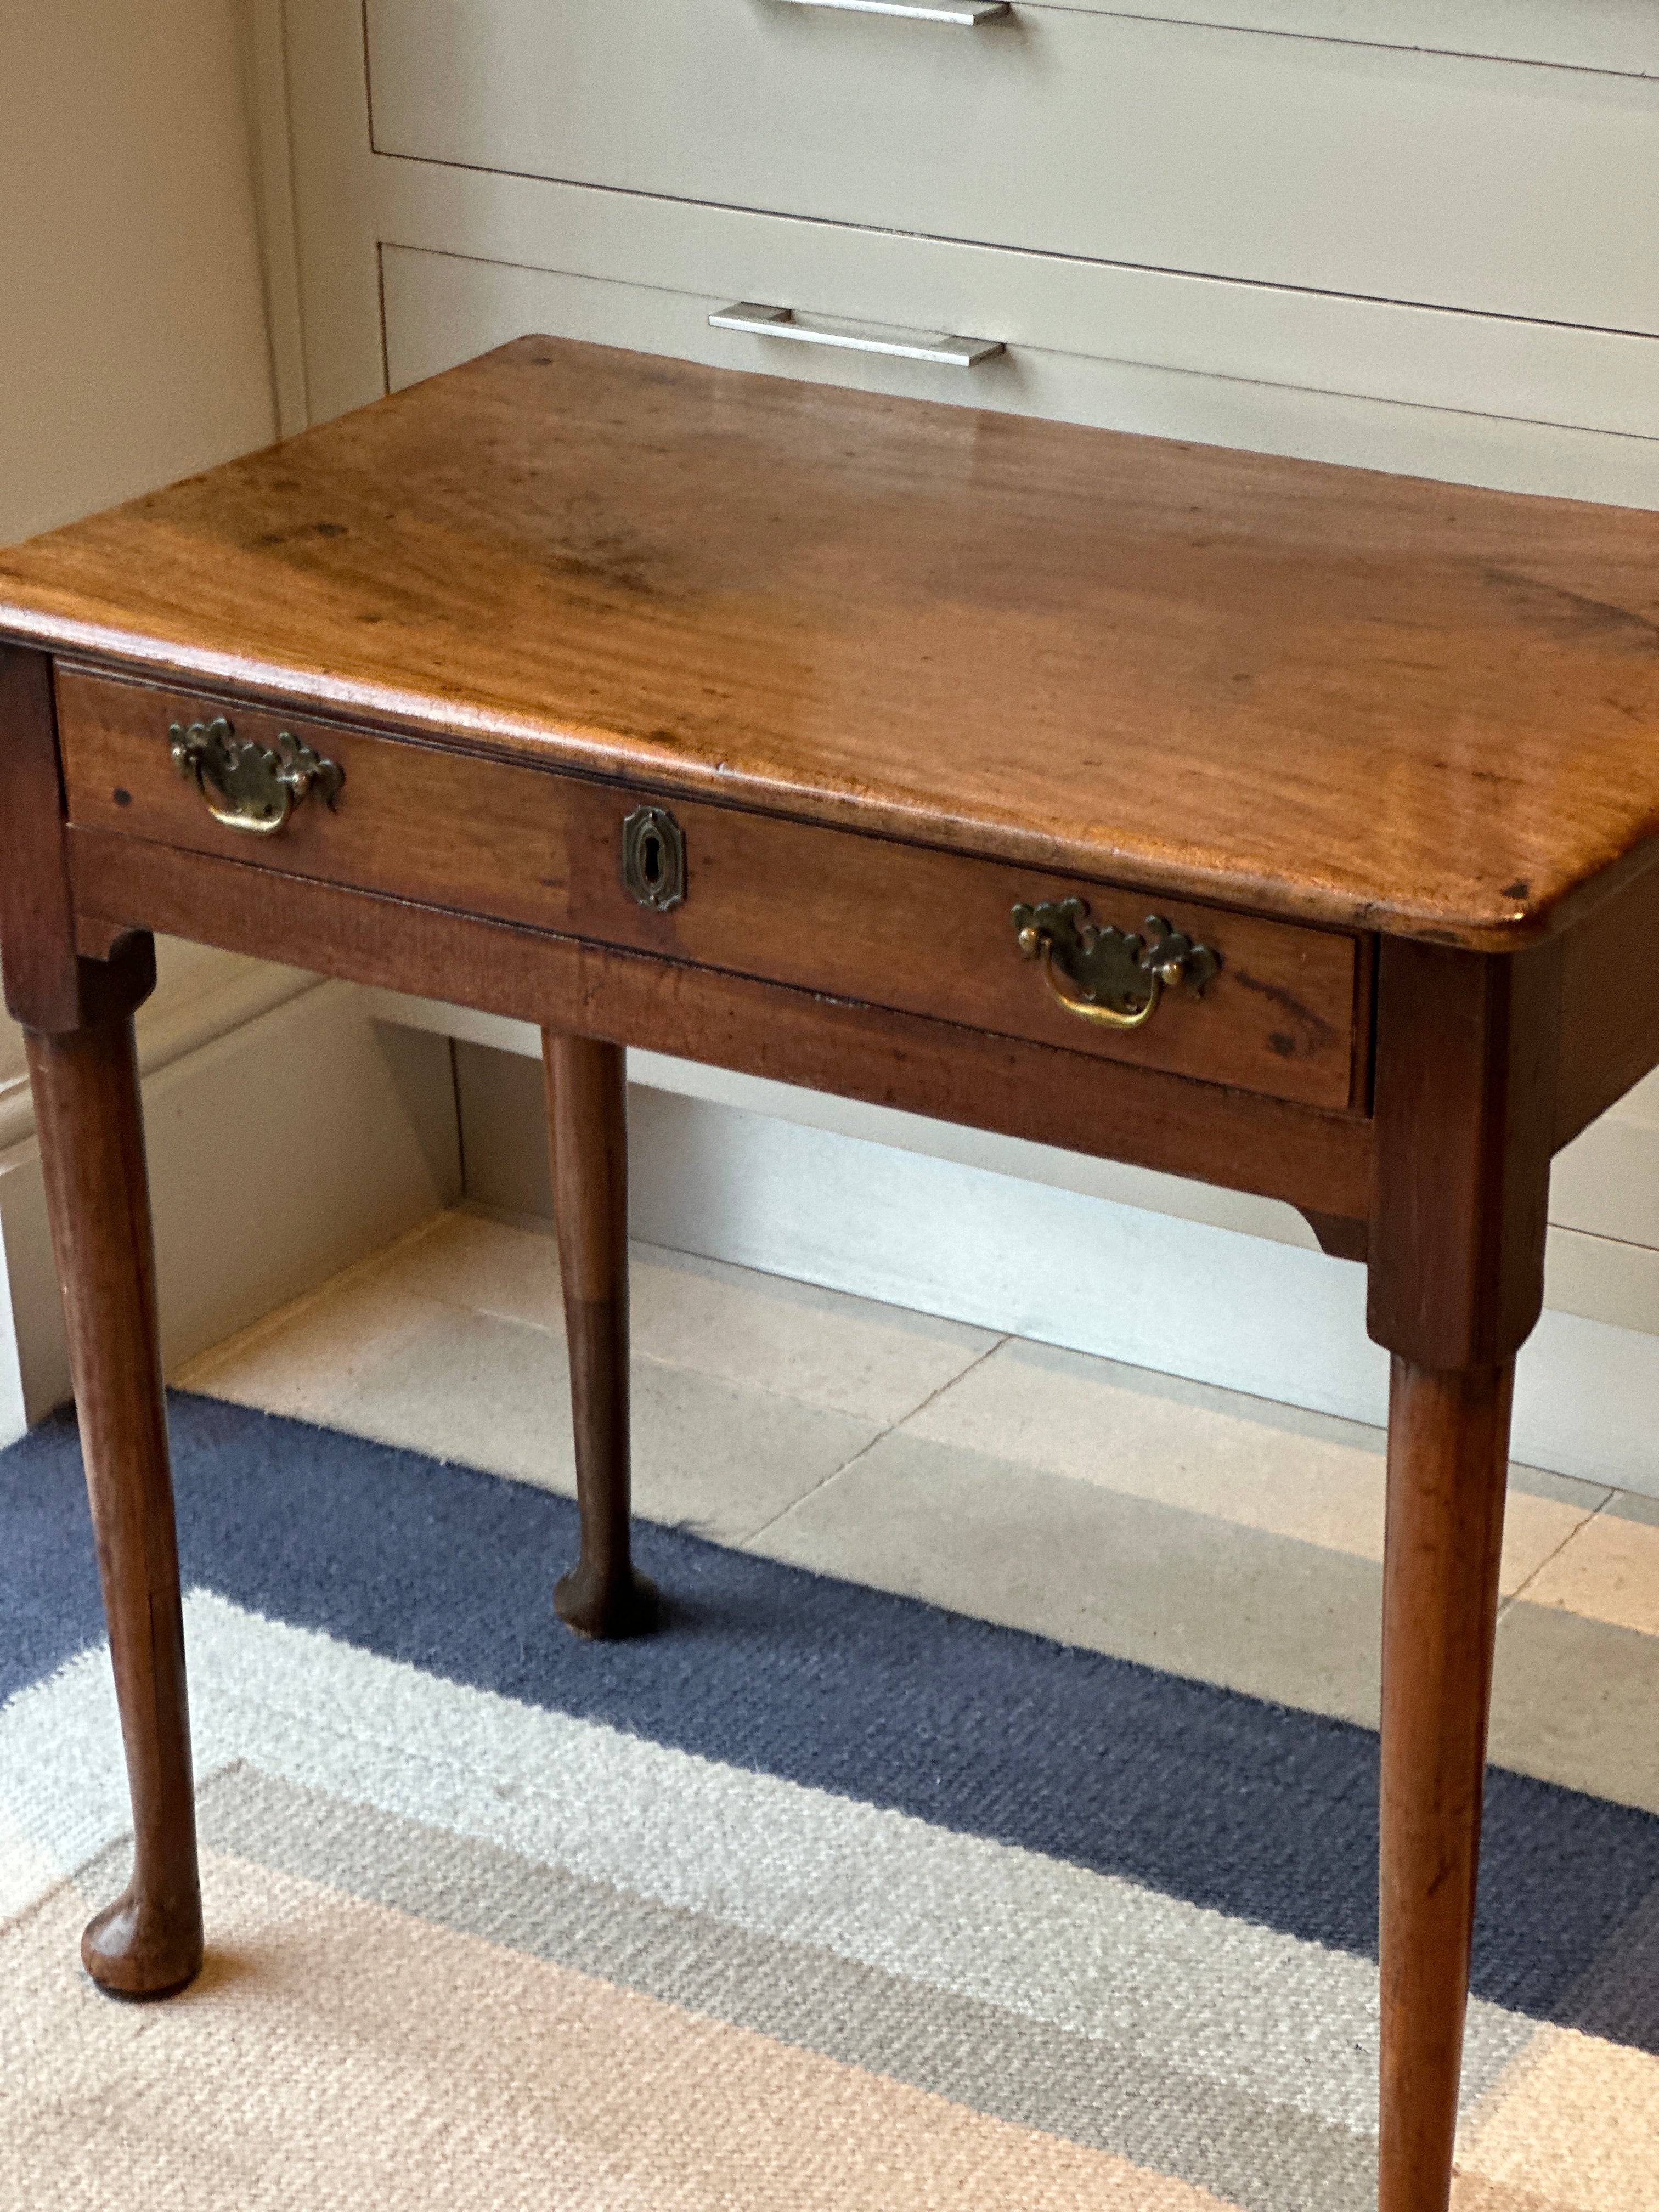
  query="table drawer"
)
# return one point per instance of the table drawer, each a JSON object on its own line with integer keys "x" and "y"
{"x": 1489, "y": 186}
{"x": 872, "y": 919}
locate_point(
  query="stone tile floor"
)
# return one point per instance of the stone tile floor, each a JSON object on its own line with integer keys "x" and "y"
{"x": 1214, "y": 1534}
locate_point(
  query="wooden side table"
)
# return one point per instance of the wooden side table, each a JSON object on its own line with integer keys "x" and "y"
{"x": 1278, "y": 824}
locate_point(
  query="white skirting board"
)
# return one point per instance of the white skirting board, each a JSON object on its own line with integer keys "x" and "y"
{"x": 1184, "y": 1297}
{"x": 1141, "y": 1268}
{"x": 13, "y": 1406}
{"x": 280, "y": 1153}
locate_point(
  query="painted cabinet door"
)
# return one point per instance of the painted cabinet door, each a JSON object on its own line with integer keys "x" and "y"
{"x": 1498, "y": 186}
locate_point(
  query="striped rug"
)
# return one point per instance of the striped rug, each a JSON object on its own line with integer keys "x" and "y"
{"x": 822, "y": 1898}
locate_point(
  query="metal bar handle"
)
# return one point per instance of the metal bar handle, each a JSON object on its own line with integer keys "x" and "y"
{"x": 968, "y": 13}
{"x": 909, "y": 345}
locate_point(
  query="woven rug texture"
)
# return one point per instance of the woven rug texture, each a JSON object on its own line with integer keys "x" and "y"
{"x": 822, "y": 1898}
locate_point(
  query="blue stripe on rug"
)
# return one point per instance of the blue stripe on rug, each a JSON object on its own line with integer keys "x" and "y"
{"x": 1259, "y": 1812}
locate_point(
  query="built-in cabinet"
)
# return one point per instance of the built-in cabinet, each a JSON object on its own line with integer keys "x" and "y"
{"x": 1419, "y": 236}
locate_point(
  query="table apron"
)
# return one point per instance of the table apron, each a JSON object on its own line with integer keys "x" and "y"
{"x": 876, "y": 920}
{"x": 1272, "y": 1147}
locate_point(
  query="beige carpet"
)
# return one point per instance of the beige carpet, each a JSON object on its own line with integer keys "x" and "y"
{"x": 338, "y": 2052}
{"x": 830, "y": 1897}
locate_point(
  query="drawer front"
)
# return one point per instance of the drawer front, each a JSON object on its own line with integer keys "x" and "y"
{"x": 1493, "y": 186}
{"x": 1067, "y": 324}
{"x": 901, "y": 926}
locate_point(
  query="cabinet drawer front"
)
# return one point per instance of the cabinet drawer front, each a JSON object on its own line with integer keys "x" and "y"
{"x": 907, "y": 926}
{"x": 1501, "y": 187}
{"x": 1067, "y": 324}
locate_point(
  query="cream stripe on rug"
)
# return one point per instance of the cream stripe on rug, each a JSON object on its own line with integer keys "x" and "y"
{"x": 1192, "y": 1989}
{"x": 1113, "y": 2094}
{"x": 337, "y": 2053}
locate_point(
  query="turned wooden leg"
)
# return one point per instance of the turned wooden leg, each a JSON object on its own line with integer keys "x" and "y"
{"x": 1467, "y": 1046}
{"x": 149, "y": 1942}
{"x": 587, "y": 1104}
{"x": 1448, "y": 1463}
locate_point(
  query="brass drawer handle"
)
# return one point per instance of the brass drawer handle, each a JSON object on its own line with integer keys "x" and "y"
{"x": 247, "y": 786}
{"x": 1117, "y": 978}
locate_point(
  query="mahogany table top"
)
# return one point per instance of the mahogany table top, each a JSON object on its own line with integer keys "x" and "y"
{"x": 1329, "y": 694}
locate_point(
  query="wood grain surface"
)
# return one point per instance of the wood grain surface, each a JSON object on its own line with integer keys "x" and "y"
{"x": 149, "y": 1940}
{"x": 869, "y": 918}
{"x": 37, "y": 920}
{"x": 1326, "y": 694}
{"x": 1448, "y": 1466}
{"x": 1609, "y": 1012}
{"x": 605, "y": 1594}
{"x": 48, "y": 987}
{"x": 1245, "y": 1141}
{"x": 1468, "y": 1049}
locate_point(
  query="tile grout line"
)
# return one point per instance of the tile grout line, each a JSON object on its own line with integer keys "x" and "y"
{"x": 1572, "y": 1534}
{"x": 363, "y": 1275}
{"x": 257, "y": 1338}
{"x": 445, "y": 1298}
{"x": 881, "y": 1436}
{"x": 554, "y": 1328}
{"x": 259, "y": 1333}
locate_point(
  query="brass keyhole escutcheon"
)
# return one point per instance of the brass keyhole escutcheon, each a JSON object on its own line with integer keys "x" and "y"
{"x": 654, "y": 858}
